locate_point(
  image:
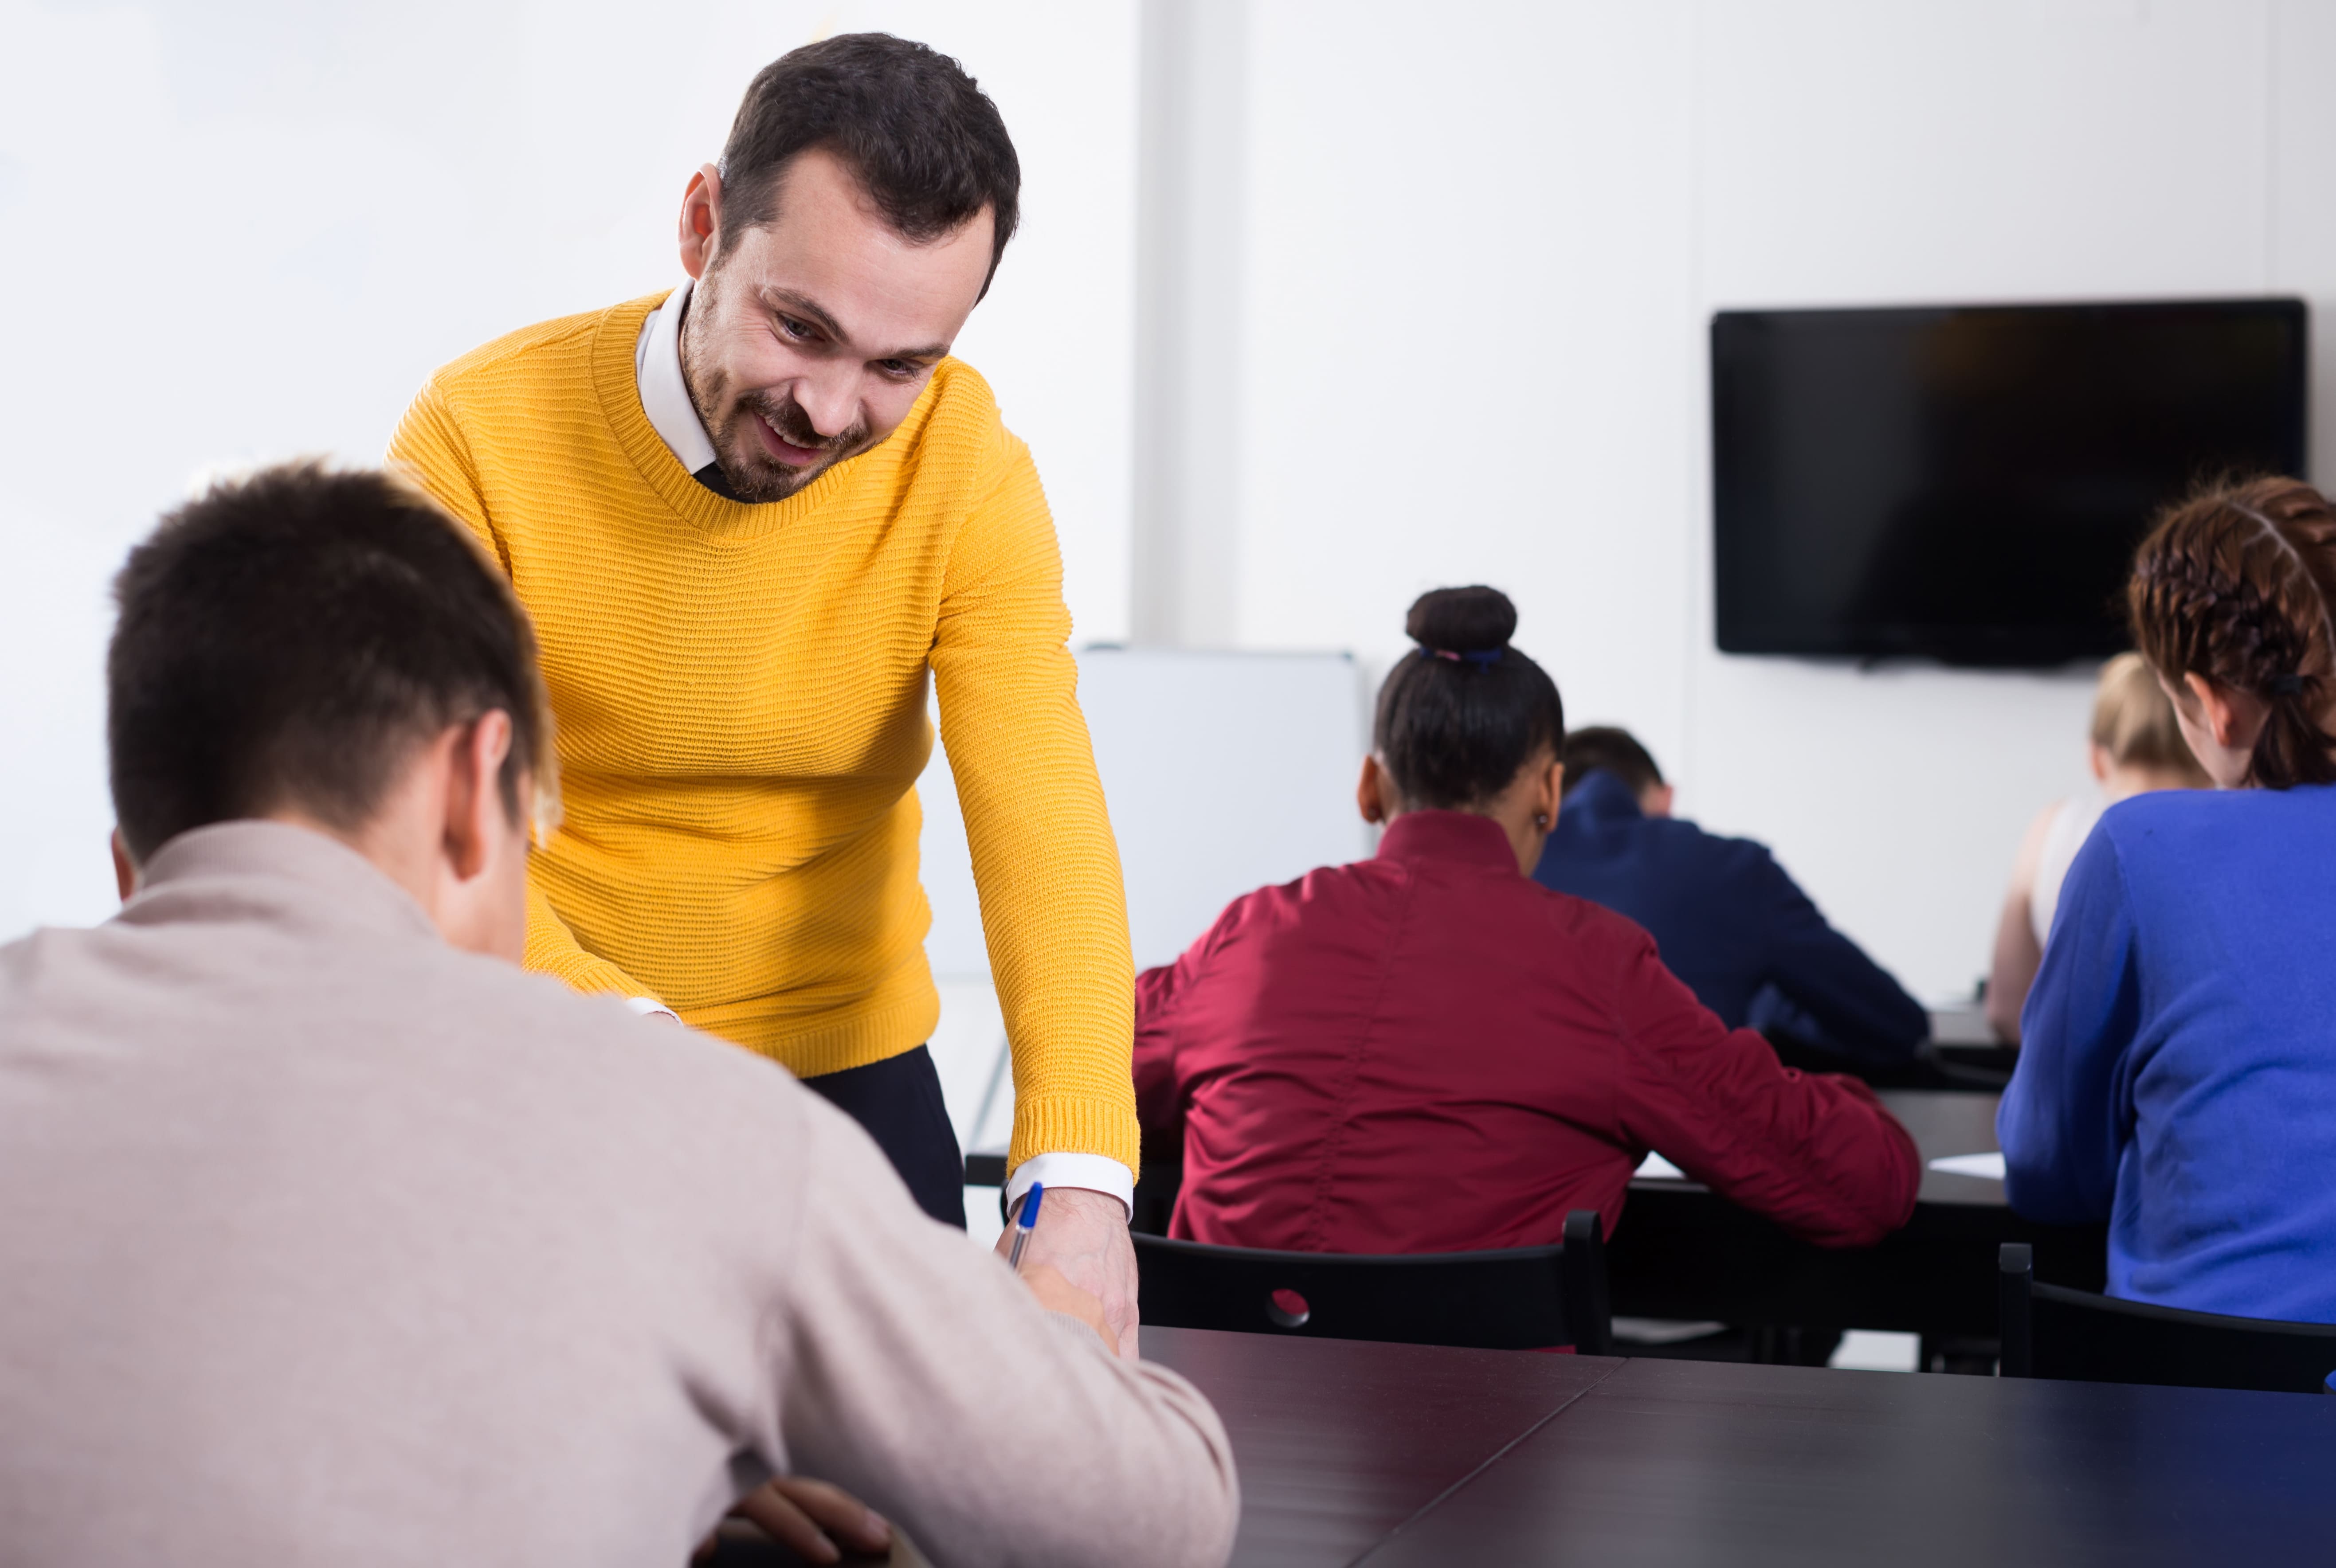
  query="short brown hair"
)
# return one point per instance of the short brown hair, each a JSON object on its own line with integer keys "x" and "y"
{"x": 2136, "y": 725}
{"x": 1604, "y": 749}
{"x": 285, "y": 639}
{"x": 2234, "y": 583}
{"x": 924, "y": 140}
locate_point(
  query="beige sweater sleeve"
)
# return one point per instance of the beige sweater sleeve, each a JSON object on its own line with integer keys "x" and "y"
{"x": 896, "y": 1368}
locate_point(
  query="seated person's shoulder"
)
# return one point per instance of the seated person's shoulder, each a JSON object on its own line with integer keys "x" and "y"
{"x": 1711, "y": 855}
{"x": 597, "y": 1046}
{"x": 1592, "y": 927}
{"x": 2161, "y": 822}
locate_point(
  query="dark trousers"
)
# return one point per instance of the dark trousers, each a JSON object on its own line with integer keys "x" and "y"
{"x": 899, "y": 1101}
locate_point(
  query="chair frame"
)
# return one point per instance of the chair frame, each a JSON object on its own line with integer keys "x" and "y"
{"x": 2142, "y": 1342}
{"x": 1521, "y": 1298}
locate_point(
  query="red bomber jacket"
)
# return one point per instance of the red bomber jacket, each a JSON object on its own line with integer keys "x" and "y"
{"x": 1428, "y": 1051}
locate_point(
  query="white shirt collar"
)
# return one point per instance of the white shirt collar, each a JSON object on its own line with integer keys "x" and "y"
{"x": 665, "y": 395}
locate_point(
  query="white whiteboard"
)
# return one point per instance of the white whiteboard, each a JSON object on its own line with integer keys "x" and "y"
{"x": 1223, "y": 772}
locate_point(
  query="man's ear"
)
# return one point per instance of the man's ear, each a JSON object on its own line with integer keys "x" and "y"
{"x": 474, "y": 803}
{"x": 125, "y": 870}
{"x": 1371, "y": 791}
{"x": 701, "y": 219}
{"x": 1657, "y": 800}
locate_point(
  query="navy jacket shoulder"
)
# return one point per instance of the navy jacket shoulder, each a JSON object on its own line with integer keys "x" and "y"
{"x": 1730, "y": 923}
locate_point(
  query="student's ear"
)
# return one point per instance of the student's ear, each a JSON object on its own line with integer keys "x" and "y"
{"x": 701, "y": 218}
{"x": 2224, "y": 720}
{"x": 2097, "y": 755}
{"x": 1549, "y": 792}
{"x": 1657, "y": 800}
{"x": 1371, "y": 791}
{"x": 475, "y": 819}
{"x": 125, "y": 870}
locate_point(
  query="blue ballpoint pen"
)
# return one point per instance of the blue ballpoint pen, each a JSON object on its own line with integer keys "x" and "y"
{"x": 1025, "y": 1220}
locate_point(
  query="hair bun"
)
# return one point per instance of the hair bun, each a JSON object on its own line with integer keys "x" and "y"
{"x": 1462, "y": 620}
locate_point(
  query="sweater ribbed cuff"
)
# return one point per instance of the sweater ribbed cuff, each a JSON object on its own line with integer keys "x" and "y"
{"x": 1059, "y": 1124}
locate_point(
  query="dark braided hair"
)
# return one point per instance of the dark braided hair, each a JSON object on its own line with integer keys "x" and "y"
{"x": 2234, "y": 583}
{"x": 1462, "y": 713}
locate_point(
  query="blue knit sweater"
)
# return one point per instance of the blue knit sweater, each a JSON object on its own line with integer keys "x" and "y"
{"x": 2178, "y": 1075}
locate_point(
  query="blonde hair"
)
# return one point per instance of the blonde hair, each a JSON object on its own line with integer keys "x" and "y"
{"x": 2134, "y": 723}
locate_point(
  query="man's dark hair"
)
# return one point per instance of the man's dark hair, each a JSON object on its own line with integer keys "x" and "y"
{"x": 925, "y": 141}
{"x": 1460, "y": 716}
{"x": 1603, "y": 749}
{"x": 286, "y": 638}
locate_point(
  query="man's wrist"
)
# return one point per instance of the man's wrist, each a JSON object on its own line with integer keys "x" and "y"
{"x": 1092, "y": 1172}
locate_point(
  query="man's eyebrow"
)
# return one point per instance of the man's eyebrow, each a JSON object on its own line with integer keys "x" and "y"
{"x": 805, "y": 305}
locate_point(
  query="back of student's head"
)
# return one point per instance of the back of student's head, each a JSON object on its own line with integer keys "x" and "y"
{"x": 2234, "y": 583}
{"x": 286, "y": 641}
{"x": 1604, "y": 749}
{"x": 1464, "y": 712}
{"x": 2133, "y": 724}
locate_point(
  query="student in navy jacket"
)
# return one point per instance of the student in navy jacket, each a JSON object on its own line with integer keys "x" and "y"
{"x": 2177, "y": 1076}
{"x": 1727, "y": 919}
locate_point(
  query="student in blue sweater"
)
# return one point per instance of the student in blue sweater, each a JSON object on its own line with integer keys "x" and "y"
{"x": 2178, "y": 1075}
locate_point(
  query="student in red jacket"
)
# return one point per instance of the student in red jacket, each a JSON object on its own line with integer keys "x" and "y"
{"x": 1429, "y": 1051}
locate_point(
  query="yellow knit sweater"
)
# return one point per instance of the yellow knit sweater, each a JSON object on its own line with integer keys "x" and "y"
{"x": 741, "y": 698}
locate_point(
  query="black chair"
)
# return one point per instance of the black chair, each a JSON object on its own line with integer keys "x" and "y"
{"x": 2052, "y": 1331}
{"x": 1521, "y": 1299}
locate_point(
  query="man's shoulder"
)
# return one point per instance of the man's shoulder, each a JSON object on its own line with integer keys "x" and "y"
{"x": 546, "y": 349}
{"x": 1719, "y": 854}
{"x": 957, "y": 413}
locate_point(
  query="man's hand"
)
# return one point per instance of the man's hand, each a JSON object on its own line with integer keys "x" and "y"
{"x": 809, "y": 1517}
{"x": 1057, "y": 1294}
{"x": 1083, "y": 1235}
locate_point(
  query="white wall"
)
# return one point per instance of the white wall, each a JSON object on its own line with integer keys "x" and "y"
{"x": 1484, "y": 241}
{"x": 248, "y": 229}
{"x": 1462, "y": 338}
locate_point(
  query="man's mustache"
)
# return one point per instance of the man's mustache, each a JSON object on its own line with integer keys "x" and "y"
{"x": 787, "y": 416}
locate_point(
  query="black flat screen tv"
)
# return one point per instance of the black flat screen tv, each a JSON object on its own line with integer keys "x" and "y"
{"x": 1968, "y": 483}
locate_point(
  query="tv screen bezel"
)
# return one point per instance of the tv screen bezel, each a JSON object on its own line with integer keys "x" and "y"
{"x": 1971, "y": 645}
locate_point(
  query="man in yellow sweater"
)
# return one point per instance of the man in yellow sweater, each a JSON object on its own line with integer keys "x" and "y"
{"x": 748, "y": 517}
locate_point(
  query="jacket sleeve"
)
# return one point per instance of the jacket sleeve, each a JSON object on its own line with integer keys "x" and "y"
{"x": 921, "y": 1376}
{"x": 2066, "y": 1115}
{"x": 1863, "y": 1010}
{"x": 431, "y": 451}
{"x": 1159, "y": 1097}
{"x": 1045, "y": 865}
{"x": 1816, "y": 1153}
{"x": 1160, "y": 995}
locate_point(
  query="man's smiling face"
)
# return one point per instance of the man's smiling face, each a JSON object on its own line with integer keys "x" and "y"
{"x": 809, "y": 335}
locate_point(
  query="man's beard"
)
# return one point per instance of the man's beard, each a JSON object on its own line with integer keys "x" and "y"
{"x": 755, "y": 474}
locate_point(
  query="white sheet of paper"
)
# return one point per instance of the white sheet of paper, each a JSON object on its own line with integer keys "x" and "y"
{"x": 1988, "y": 1166}
{"x": 1655, "y": 1166}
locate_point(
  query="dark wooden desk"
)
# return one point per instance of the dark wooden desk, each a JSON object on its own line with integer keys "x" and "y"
{"x": 1396, "y": 1455}
{"x": 1339, "y": 1442}
{"x": 1680, "y": 1250}
{"x": 1683, "y": 1463}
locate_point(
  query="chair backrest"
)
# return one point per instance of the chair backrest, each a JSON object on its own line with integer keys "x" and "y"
{"x": 1521, "y": 1299}
{"x": 2052, "y": 1331}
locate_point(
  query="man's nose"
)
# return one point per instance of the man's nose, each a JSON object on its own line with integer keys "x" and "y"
{"x": 830, "y": 401}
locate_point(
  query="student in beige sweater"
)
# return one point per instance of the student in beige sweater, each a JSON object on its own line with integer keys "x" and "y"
{"x": 326, "y": 1240}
